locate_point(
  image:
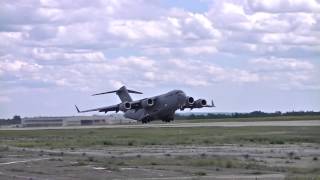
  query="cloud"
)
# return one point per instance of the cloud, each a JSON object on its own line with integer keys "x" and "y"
{"x": 46, "y": 54}
{"x": 7, "y": 65}
{"x": 287, "y": 73}
{"x": 139, "y": 30}
{"x": 281, "y": 64}
{"x": 90, "y": 45}
{"x": 284, "y": 6}
{"x": 62, "y": 34}
{"x": 5, "y": 99}
{"x": 256, "y": 23}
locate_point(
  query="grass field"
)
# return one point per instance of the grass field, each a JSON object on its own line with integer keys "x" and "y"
{"x": 74, "y": 138}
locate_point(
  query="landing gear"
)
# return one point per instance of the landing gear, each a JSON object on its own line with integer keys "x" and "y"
{"x": 167, "y": 120}
{"x": 146, "y": 120}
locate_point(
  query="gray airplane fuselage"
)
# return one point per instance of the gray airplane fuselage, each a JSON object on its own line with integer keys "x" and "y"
{"x": 145, "y": 110}
{"x": 164, "y": 107}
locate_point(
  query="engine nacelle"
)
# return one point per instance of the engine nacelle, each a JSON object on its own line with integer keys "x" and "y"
{"x": 147, "y": 103}
{"x": 189, "y": 100}
{"x": 125, "y": 106}
{"x": 200, "y": 103}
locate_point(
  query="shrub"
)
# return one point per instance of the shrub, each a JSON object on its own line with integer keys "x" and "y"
{"x": 246, "y": 156}
{"x": 229, "y": 164}
{"x": 130, "y": 143}
{"x": 291, "y": 154}
{"x": 200, "y": 173}
{"x": 203, "y": 155}
{"x": 297, "y": 158}
{"x": 153, "y": 163}
{"x": 107, "y": 143}
{"x": 91, "y": 159}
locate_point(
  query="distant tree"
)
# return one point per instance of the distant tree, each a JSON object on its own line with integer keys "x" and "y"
{"x": 246, "y": 115}
{"x": 16, "y": 119}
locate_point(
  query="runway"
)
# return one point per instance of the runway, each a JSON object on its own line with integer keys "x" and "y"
{"x": 185, "y": 125}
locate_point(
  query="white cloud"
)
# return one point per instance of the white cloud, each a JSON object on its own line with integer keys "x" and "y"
{"x": 13, "y": 66}
{"x": 282, "y": 64}
{"x": 5, "y": 99}
{"x": 254, "y": 22}
{"x": 198, "y": 50}
{"x": 287, "y": 73}
{"x": 58, "y": 55}
{"x": 194, "y": 26}
{"x": 276, "y": 6}
{"x": 137, "y": 30}
{"x": 88, "y": 45}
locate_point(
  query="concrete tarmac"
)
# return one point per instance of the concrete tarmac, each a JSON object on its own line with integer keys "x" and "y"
{"x": 185, "y": 125}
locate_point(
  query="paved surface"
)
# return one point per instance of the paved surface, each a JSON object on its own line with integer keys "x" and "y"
{"x": 183, "y": 125}
{"x": 275, "y": 161}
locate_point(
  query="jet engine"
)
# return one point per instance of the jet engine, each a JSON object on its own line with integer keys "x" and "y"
{"x": 190, "y": 100}
{"x": 147, "y": 102}
{"x": 125, "y": 106}
{"x": 200, "y": 103}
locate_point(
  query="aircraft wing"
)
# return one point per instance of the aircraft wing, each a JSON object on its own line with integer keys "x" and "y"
{"x": 102, "y": 109}
{"x": 133, "y": 105}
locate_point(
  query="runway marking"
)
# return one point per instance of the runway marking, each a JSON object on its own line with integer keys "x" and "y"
{"x": 16, "y": 162}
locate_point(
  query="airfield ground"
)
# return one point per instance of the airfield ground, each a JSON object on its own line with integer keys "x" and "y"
{"x": 157, "y": 152}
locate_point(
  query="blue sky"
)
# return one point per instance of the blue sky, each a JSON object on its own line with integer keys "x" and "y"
{"x": 246, "y": 55}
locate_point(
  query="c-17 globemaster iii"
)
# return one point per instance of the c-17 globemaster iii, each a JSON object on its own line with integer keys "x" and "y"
{"x": 145, "y": 110}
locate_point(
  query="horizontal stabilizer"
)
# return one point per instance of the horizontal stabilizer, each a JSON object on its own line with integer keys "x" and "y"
{"x": 108, "y": 92}
{"x": 135, "y": 92}
{"x": 118, "y": 91}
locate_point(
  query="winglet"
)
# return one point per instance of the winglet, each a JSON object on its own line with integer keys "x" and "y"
{"x": 77, "y": 108}
{"x": 212, "y": 104}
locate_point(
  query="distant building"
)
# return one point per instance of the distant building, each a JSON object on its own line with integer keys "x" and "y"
{"x": 75, "y": 121}
{"x": 42, "y": 121}
{"x": 85, "y": 120}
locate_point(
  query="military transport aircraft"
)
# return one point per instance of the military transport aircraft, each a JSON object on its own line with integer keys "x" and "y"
{"x": 145, "y": 110}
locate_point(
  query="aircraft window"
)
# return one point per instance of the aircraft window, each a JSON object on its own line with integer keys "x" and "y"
{"x": 178, "y": 92}
{"x": 169, "y": 95}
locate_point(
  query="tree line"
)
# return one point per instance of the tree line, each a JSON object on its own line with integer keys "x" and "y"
{"x": 14, "y": 120}
{"x": 245, "y": 115}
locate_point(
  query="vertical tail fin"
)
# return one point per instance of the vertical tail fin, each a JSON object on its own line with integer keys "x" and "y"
{"x": 123, "y": 94}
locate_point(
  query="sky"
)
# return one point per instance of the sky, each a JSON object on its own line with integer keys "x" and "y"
{"x": 246, "y": 55}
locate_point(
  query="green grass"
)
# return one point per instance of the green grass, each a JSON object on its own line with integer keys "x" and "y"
{"x": 79, "y": 138}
